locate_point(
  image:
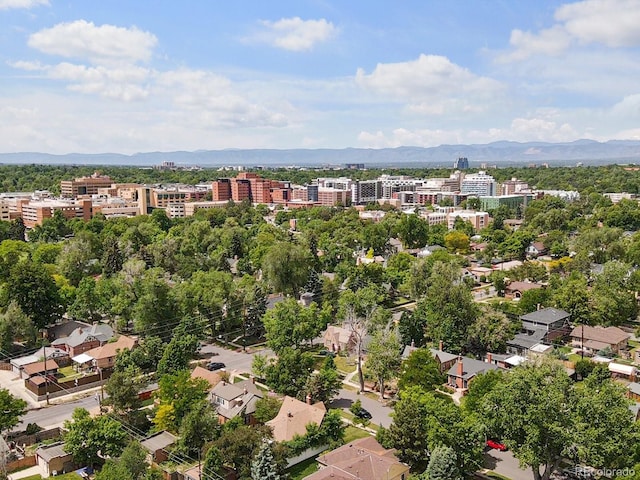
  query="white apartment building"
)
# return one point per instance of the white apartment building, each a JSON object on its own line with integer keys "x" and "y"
{"x": 479, "y": 184}
{"x": 478, "y": 220}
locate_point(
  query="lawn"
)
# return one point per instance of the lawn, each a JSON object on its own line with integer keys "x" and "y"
{"x": 352, "y": 433}
{"x": 66, "y": 476}
{"x": 344, "y": 364}
{"x": 68, "y": 373}
{"x": 303, "y": 469}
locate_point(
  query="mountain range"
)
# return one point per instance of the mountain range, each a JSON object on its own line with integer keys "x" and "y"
{"x": 502, "y": 153}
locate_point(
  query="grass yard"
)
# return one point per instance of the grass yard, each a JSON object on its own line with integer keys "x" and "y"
{"x": 66, "y": 476}
{"x": 303, "y": 469}
{"x": 352, "y": 433}
{"x": 68, "y": 373}
{"x": 344, "y": 364}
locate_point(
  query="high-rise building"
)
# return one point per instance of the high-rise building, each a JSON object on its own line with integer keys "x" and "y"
{"x": 221, "y": 190}
{"x": 462, "y": 163}
{"x": 479, "y": 184}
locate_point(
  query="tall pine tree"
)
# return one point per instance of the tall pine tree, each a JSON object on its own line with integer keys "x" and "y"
{"x": 263, "y": 466}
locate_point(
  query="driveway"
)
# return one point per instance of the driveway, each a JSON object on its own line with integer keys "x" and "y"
{"x": 15, "y": 385}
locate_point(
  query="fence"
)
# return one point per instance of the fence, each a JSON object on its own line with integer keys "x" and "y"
{"x": 36, "y": 437}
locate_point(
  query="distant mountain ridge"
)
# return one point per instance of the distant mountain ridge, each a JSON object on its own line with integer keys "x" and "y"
{"x": 501, "y": 153}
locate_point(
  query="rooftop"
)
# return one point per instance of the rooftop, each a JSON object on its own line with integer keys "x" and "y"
{"x": 159, "y": 441}
{"x": 546, "y": 316}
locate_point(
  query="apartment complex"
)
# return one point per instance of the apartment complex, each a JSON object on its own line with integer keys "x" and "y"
{"x": 84, "y": 186}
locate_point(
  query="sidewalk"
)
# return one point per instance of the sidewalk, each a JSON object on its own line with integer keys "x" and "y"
{"x": 27, "y": 472}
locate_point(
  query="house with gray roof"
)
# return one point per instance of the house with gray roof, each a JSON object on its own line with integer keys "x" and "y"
{"x": 553, "y": 321}
{"x": 159, "y": 446}
{"x": 84, "y": 338}
{"x": 236, "y": 399}
{"x": 465, "y": 370}
{"x": 53, "y": 460}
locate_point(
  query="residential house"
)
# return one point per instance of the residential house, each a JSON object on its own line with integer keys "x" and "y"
{"x": 524, "y": 343}
{"x": 535, "y": 249}
{"x": 634, "y": 391}
{"x": 159, "y": 446}
{"x": 338, "y": 339}
{"x": 18, "y": 364}
{"x": 83, "y": 339}
{"x": 465, "y": 369}
{"x": 212, "y": 378}
{"x": 515, "y": 289}
{"x": 236, "y": 399}
{"x": 479, "y": 274}
{"x": 53, "y": 460}
{"x": 50, "y": 367}
{"x": 504, "y": 360}
{"x": 626, "y": 372}
{"x": 444, "y": 359}
{"x": 362, "y": 459}
{"x": 593, "y": 339}
{"x": 293, "y": 418}
{"x": 64, "y": 329}
{"x": 104, "y": 357}
{"x": 552, "y": 321}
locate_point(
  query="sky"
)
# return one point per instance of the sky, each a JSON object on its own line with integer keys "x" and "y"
{"x": 123, "y": 76}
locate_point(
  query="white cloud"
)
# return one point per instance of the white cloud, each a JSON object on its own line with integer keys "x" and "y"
{"x": 552, "y": 41}
{"x": 7, "y": 4}
{"x": 295, "y": 34}
{"x": 431, "y": 85}
{"x": 612, "y": 23}
{"x": 97, "y": 44}
{"x": 28, "y": 66}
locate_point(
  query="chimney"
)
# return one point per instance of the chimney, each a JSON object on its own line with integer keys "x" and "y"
{"x": 289, "y": 414}
{"x": 244, "y": 390}
{"x": 441, "y": 345}
{"x": 309, "y": 399}
{"x": 489, "y": 357}
{"x": 460, "y": 371}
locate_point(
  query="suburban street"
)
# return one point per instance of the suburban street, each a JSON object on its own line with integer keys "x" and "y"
{"x": 505, "y": 464}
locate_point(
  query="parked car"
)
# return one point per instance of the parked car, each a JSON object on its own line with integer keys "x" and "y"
{"x": 363, "y": 413}
{"x": 215, "y": 365}
{"x": 497, "y": 445}
{"x": 326, "y": 353}
{"x": 579, "y": 472}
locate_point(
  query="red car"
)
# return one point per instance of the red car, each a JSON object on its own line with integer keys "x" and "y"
{"x": 497, "y": 445}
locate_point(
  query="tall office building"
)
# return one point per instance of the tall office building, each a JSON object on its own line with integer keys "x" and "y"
{"x": 462, "y": 163}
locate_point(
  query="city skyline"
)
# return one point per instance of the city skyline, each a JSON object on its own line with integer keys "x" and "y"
{"x": 90, "y": 77}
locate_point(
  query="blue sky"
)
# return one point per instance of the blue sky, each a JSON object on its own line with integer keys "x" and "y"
{"x": 93, "y": 76}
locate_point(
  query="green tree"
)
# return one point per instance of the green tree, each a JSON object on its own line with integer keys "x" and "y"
{"x": 448, "y": 307}
{"x": 11, "y": 409}
{"x": 178, "y": 393}
{"x": 384, "y": 356}
{"x": 264, "y": 466}
{"x": 199, "y": 426}
{"x": 89, "y": 438}
{"x": 267, "y": 408}
{"x": 123, "y": 387}
{"x": 456, "y": 242}
{"x": 88, "y": 304}
{"x": 412, "y": 329}
{"x": 76, "y": 260}
{"x": 422, "y": 370}
{"x": 542, "y": 418}
{"x": 35, "y": 291}
{"x": 239, "y": 446}
{"x": 413, "y": 231}
{"x": 491, "y": 331}
{"x": 178, "y": 353}
{"x": 323, "y": 385}
{"x": 291, "y": 324}
{"x": 290, "y": 372}
{"x": 212, "y": 463}
{"x": 442, "y": 465}
{"x": 286, "y": 268}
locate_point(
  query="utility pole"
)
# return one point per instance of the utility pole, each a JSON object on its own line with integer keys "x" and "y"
{"x": 46, "y": 377}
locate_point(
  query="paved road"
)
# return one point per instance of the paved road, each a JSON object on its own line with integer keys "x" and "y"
{"x": 55, "y": 415}
{"x": 505, "y": 464}
{"x": 238, "y": 361}
{"x": 379, "y": 412}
